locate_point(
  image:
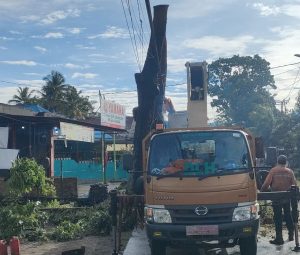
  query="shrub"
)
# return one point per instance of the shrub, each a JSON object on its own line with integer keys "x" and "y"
{"x": 27, "y": 176}
{"x": 21, "y": 218}
{"x": 68, "y": 231}
{"x": 99, "y": 223}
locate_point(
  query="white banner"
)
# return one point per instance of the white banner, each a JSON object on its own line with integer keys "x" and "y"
{"x": 113, "y": 115}
{"x": 7, "y": 156}
{"x": 77, "y": 132}
{"x": 3, "y": 137}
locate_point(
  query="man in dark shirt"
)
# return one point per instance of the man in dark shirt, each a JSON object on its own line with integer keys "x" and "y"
{"x": 281, "y": 178}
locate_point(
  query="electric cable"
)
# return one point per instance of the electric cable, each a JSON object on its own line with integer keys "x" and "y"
{"x": 285, "y": 65}
{"x": 141, "y": 27}
{"x": 293, "y": 84}
{"x": 133, "y": 30}
{"x": 285, "y": 71}
{"x": 130, "y": 34}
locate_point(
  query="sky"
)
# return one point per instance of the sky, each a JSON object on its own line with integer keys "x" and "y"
{"x": 101, "y": 44}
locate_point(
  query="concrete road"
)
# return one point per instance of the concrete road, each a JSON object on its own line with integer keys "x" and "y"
{"x": 138, "y": 245}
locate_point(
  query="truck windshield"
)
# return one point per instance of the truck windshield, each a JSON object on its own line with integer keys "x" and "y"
{"x": 198, "y": 153}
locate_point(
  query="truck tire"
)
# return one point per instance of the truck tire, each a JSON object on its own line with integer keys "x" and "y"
{"x": 248, "y": 245}
{"x": 158, "y": 247}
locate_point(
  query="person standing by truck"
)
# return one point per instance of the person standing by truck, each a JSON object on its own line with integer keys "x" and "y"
{"x": 281, "y": 178}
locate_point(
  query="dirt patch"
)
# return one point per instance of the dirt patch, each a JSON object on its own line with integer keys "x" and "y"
{"x": 94, "y": 245}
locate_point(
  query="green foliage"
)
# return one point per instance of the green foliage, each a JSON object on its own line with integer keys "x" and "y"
{"x": 24, "y": 96}
{"x": 28, "y": 176}
{"x": 78, "y": 106}
{"x": 61, "y": 223}
{"x": 20, "y": 218}
{"x": 57, "y": 96}
{"x": 63, "y": 98}
{"x": 56, "y": 204}
{"x": 76, "y": 223}
{"x": 61, "y": 214}
{"x": 52, "y": 92}
{"x": 238, "y": 85}
{"x": 262, "y": 120}
{"x": 99, "y": 223}
{"x": 69, "y": 231}
{"x": 38, "y": 234}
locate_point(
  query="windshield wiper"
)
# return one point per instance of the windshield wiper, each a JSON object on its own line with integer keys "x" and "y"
{"x": 221, "y": 172}
{"x": 179, "y": 174}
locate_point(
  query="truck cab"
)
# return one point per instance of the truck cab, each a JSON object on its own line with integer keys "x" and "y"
{"x": 200, "y": 189}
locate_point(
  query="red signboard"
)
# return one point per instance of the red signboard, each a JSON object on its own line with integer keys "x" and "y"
{"x": 112, "y": 114}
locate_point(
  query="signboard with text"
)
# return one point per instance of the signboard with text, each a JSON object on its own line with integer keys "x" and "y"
{"x": 77, "y": 132}
{"x": 112, "y": 114}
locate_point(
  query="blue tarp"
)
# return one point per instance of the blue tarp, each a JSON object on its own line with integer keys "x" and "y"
{"x": 98, "y": 136}
{"x": 34, "y": 108}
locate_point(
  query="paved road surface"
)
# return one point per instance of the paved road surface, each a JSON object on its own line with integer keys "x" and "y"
{"x": 138, "y": 245}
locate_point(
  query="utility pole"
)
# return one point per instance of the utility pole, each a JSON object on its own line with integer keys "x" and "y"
{"x": 150, "y": 83}
{"x": 282, "y": 104}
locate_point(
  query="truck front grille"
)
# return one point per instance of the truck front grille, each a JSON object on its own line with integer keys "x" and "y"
{"x": 216, "y": 214}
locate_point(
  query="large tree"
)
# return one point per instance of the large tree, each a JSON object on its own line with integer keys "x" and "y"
{"x": 53, "y": 91}
{"x": 239, "y": 85}
{"x": 76, "y": 105}
{"x": 23, "y": 96}
{"x": 59, "y": 97}
{"x": 288, "y": 132}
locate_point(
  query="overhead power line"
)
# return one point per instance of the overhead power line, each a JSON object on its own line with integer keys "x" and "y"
{"x": 131, "y": 37}
{"x": 134, "y": 17}
{"x": 285, "y": 65}
{"x": 276, "y": 74}
{"x": 293, "y": 85}
{"x": 15, "y": 83}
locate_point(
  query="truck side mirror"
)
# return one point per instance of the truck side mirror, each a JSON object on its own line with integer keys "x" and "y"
{"x": 261, "y": 175}
{"x": 127, "y": 160}
{"x": 259, "y": 147}
{"x": 271, "y": 156}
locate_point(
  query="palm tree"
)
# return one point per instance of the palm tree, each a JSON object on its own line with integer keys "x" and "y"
{"x": 53, "y": 91}
{"x": 23, "y": 96}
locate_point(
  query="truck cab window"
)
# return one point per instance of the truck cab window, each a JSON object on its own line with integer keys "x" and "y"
{"x": 198, "y": 153}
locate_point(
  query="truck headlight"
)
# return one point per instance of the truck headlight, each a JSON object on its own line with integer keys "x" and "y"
{"x": 161, "y": 216}
{"x": 157, "y": 215}
{"x": 243, "y": 213}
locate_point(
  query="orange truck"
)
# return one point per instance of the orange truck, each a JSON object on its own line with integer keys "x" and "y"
{"x": 199, "y": 181}
{"x": 200, "y": 189}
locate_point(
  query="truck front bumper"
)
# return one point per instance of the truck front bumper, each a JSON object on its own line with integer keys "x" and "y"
{"x": 176, "y": 234}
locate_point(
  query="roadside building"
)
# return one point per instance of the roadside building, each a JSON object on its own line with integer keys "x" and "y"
{"x": 65, "y": 147}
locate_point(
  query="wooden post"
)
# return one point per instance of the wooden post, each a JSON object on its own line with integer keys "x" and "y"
{"x": 103, "y": 157}
{"x": 115, "y": 156}
{"x": 51, "y": 174}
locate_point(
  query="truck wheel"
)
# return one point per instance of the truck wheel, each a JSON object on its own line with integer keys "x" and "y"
{"x": 248, "y": 245}
{"x": 158, "y": 247}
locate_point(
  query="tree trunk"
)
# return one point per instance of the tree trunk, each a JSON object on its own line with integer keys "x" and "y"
{"x": 151, "y": 86}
